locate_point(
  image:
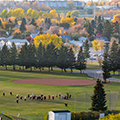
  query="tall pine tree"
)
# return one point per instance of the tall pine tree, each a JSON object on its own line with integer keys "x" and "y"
{"x": 86, "y": 49}
{"x": 13, "y": 55}
{"x": 81, "y": 62}
{"x": 5, "y": 56}
{"x": 62, "y": 59}
{"x": 40, "y": 56}
{"x": 71, "y": 59}
{"x": 50, "y": 56}
{"x": 99, "y": 98}
{"x": 113, "y": 56}
{"x": 107, "y": 29}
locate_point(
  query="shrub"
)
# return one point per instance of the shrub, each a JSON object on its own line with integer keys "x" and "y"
{"x": 89, "y": 11}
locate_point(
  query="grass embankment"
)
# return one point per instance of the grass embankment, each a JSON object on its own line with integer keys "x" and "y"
{"x": 32, "y": 107}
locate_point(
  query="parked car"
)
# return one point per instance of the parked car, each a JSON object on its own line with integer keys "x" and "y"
{"x": 92, "y": 58}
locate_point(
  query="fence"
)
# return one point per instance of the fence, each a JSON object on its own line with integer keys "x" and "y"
{"x": 83, "y": 100}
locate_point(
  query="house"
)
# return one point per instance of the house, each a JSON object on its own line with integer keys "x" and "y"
{"x": 66, "y": 37}
{"x": 59, "y": 115}
{"x": 9, "y": 41}
{"x": 82, "y": 39}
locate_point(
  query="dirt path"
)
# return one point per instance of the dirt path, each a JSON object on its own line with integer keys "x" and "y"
{"x": 49, "y": 81}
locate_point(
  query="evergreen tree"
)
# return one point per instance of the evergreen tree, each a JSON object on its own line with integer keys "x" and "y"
{"x": 5, "y": 56}
{"x": 50, "y": 56}
{"x": 99, "y": 98}
{"x": 62, "y": 59}
{"x": 93, "y": 23}
{"x": 99, "y": 28}
{"x": 107, "y": 29}
{"x": 118, "y": 59}
{"x": 99, "y": 19}
{"x": 71, "y": 59}
{"x": 23, "y": 55}
{"x": 24, "y": 20}
{"x": 40, "y": 56}
{"x": 106, "y": 67}
{"x": 81, "y": 62}
{"x": 113, "y": 56}
{"x": 86, "y": 49}
{"x": 116, "y": 28}
{"x": 16, "y": 21}
{"x": 31, "y": 56}
{"x": 89, "y": 28}
{"x": 33, "y": 22}
{"x": 22, "y": 27}
{"x": 13, "y": 55}
{"x": 106, "y": 50}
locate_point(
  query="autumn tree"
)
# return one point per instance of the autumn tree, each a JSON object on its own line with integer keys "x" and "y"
{"x": 34, "y": 14}
{"x": 101, "y": 43}
{"x": 29, "y": 11}
{"x": 18, "y": 13}
{"x": 95, "y": 44}
{"x": 46, "y": 39}
{"x": 4, "y": 14}
{"x": 52, "y": 14}
{"x": 75, "y": 13}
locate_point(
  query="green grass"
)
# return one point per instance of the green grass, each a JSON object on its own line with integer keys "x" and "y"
{"x": 116, "y": 76}
{"x": 31, "y": 107}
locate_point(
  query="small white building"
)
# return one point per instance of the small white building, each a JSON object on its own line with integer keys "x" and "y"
{"x": 59, "y": 115}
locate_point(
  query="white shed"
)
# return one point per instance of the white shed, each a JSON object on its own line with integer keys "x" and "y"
{"x": 59, "y": 115}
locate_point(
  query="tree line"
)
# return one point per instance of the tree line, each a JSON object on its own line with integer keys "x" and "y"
{"x": 29, "y": 56}
{"x": 111, "y": 60}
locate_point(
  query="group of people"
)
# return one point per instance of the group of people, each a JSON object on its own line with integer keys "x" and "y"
{"x": 40, "y": 97}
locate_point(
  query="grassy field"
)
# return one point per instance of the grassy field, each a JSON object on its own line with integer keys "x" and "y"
{"x": 32, "y": 107}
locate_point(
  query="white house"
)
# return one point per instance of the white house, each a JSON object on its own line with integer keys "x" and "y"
{"x": 59, "y": 115}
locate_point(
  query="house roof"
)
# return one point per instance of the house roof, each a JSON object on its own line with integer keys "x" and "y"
{"x": 102, "y": 38}
{"x": 65, "y": 36}
{"x": 59, "y": 111}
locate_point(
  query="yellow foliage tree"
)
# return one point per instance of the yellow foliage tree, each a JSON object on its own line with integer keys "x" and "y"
{"x": 47, "y": 38}
{"x": 89, "y": 3}
{"x": 52, "y": 14}
{"x": 68, "y": 20}
{"x": 95, "y": 44}
{"x": 116, "y": 18}
{"x": 34, "y": 14}
{"x": 4, "y": 24}
{"x": 101, "y": 3}
{"x": 16, "y": 31}
{"x": 102, "y": 43}
{"x": 18, "y": 13}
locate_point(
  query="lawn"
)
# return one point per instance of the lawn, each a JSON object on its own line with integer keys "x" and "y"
{"x": 32, "y": 107}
